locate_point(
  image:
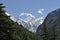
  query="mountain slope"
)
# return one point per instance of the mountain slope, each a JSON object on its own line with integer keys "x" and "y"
{"x": 50, "y": 29}
{"x": 10, "y": 30}
{"x": 31, "y": 25}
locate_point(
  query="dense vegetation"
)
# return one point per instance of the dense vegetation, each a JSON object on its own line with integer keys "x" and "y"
{"x": 10, "y": 30}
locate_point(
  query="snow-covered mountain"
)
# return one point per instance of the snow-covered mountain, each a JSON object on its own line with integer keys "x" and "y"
{"x": 30, "y": 23}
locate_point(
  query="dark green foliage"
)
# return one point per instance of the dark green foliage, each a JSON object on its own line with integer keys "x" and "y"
{"x": 10, "y": 30}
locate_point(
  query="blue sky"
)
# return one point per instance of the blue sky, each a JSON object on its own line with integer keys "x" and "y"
{"x": 16, "y": 7}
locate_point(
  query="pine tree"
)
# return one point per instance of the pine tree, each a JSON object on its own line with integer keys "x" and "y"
{"x": 1, "y": 8}
{"x": 6, "y": 29}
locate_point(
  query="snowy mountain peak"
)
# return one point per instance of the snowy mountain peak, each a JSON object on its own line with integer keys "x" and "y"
{"x": 30, "y": 23}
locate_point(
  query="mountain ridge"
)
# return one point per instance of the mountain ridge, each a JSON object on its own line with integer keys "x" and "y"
{"x": 50, "y": 29}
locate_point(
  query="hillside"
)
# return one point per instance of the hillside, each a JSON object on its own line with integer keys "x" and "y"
{"x": 50, "y": 29}
{"x": 10, "y": 30}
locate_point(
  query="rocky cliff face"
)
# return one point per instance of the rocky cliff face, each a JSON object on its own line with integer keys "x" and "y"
{"x": 51, "y": 26}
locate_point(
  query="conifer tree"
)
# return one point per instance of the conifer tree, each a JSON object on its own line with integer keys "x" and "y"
{"x": 6, "y": 29}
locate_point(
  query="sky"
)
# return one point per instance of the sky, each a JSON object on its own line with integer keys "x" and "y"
{"x": 33, "y": 8}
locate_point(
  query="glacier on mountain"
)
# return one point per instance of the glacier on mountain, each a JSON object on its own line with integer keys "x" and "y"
{"x": 30, "y": 23}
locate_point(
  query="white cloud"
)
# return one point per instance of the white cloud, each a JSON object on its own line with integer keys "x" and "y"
{"x": 12, "y": 18}
{"x": 40, "y": 11}
{"x": 7, "y": 14}
{"x": 27, "y": 14}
